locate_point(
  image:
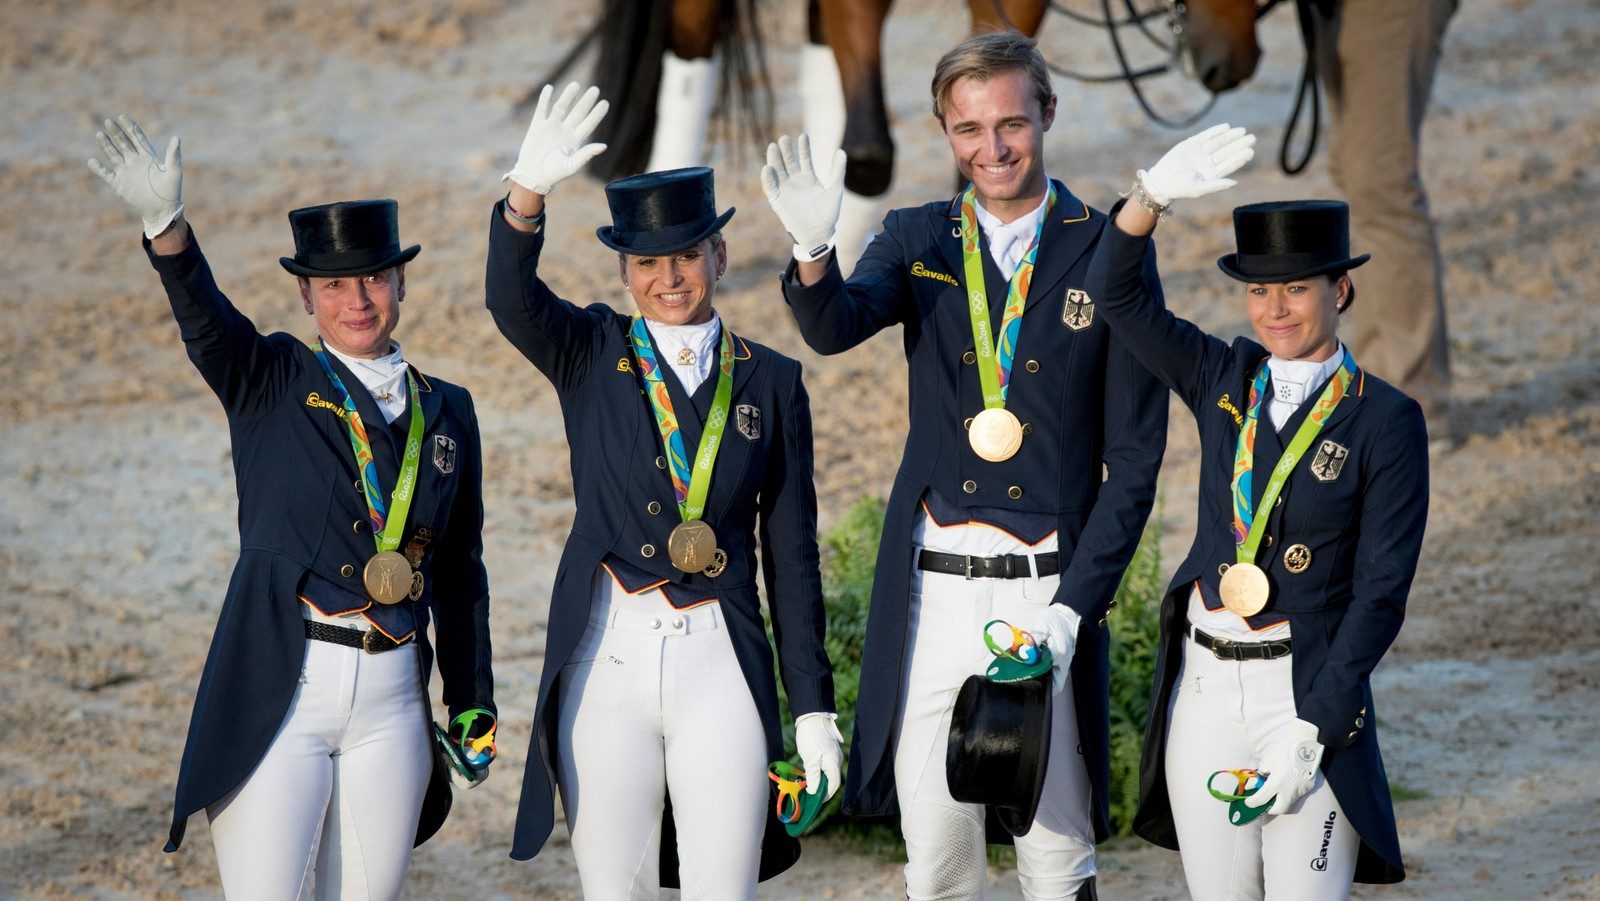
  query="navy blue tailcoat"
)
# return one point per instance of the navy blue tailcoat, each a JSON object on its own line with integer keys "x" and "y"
{"x": 1362, "y": 519}
{"x": 761, "y": 500}
{"x": 302, "y": 511}
{"x": 1097, "y": 423}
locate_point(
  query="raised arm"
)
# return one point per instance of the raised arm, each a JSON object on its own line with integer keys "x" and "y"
{"x": 555, "y": 335}
{"x": 246, "y": 371}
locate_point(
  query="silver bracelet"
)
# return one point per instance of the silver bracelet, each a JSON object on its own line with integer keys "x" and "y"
{"x": 1139, "y": 195}
{"x": 536, "y": 220}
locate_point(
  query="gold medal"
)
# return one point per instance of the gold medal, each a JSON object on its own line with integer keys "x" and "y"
{"x": 1297, "y": 558}
{"x": 1244, "y": 589}
{"x": 692, "y": 546}
{"x": 719, "y": 563}
{"x": 995, "y": 434}
{"x": 388, "y": 577}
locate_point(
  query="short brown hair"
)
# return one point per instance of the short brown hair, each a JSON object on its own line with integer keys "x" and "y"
{"x": 982, "y": 57}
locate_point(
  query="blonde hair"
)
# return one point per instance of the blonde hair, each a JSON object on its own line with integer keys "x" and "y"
{"x": 982, "y": 57}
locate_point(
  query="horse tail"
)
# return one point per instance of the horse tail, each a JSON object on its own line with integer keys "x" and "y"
{"x": 628, "y": 72}
{"x": 744, "y": 104}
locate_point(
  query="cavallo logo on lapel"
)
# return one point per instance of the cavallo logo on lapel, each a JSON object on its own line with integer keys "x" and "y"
{"x": 1225, "y": 403}
{"x": 315, "y": 400}
{"x": 922, "y": 271}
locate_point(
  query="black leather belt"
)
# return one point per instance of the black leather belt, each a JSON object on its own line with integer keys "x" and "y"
{"x": 1228, "y": 649}
{"x": 372, "y": 641}
{"x": 1004, "y": 566}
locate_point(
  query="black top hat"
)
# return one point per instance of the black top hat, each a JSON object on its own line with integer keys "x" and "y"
{"x": 1290, "y": 240}
{"x": 999, "y": 745}
{"x": 353, "y": 237}
{"x": 661, "y": 212}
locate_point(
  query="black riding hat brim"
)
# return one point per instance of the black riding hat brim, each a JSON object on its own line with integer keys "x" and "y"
{"x": 401, "y": 258}
{"x": 662, "y": 241}
{"x": 1229, "y": 264}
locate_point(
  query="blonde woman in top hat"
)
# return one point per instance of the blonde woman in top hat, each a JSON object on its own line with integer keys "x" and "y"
{"x": 309, "y": 746}
{"x": 1313, "y": 497}
{"x": 657, "y": 712}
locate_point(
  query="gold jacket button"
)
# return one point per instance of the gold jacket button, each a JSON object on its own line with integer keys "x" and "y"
{"x": 1027, "y": 428}
{"x": 347, "y": 570}
{"x": 969, "y": 486}
{"x": 967, "y": 423}
{"x": 1102, "y": 622}
{"x": 648, "y": 550}
{"x": 654, "y": 507}
{"x": 1014, "y": 492}
{"x": 661, "y": 462}
{"x": 1361, "y": 722}
{"x": 1267, "y": 541}
{"x": 358, "y": 526}
{"x": 1031, "y": 365}
{"x": 969, "y": 358}
{"x": 359, "y": 488}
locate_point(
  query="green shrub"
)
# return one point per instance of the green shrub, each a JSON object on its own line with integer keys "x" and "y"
{"x": 849, "y": 557}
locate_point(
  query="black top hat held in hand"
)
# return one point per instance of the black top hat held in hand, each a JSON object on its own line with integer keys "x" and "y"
{"x": 662, "y": 212}
{"x": 1290, "y": 240}
{"x": 999, "y": 746}
{"x": 353, "y": 237}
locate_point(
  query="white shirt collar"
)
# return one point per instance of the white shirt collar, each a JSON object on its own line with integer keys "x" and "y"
{"x": 1008, "y": 241}
{"x": 700, "y": 341}
{"x": 1294, "y": 380}
{"x": 383, "y": 377}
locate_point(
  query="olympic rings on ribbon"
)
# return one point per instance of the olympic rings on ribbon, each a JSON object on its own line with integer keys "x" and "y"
{"x": 479, "y": 750}
{"x": 1247, "y": 782}
{"x": 1023, "y": 648}
{"x": 791, "y": 781}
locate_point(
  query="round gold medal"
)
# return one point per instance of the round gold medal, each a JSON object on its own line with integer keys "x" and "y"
{"x": 995, "y": 434}
{"x": 388, "y": 577}
{"x": 692, "y": 546}
{"x": 1244, "y": 589}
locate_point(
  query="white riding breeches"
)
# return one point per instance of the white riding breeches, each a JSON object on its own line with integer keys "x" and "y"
{"x": 1224, "y": 714}
{"x": 334, "y": 802}
{"x": 945, "y": 841}
{"x": 654, "y": 702}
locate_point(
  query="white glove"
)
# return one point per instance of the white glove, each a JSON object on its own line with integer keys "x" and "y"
{"x": 1199, "y": 165}
{"x": 817, "y": 738}
{"x": 553, "y": 150}
{"x": 807, "y": 206}
{"x": 1290, "y": 765}
{"x": 1057, "y": 629}
{"x": 154, "y": 188}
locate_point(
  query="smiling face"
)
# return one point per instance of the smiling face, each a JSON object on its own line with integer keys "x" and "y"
{"x": 676, "y": 289}
{"x": 356, "y": 314}
{"x": 996, "y": 131}
{"x": 1298, "y": 320}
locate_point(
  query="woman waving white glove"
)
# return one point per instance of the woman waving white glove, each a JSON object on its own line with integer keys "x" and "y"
{"x": 807, "y": 206}
{"x": 1199, "y": 165}
{"x": 152, "y": 185}
{"x": 553, "y": 149}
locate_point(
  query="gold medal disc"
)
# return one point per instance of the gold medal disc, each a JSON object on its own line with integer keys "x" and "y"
{"x": 388, "y": 577}
{"x": 692, "y": 546}
{"x": 995, "y": 434}
{"x": 1244, "y": 589}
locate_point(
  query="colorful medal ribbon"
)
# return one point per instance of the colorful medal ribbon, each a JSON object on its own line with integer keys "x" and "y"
{"x": 387, "y": 523}
{"x": 1248, "y": 525}
{"x": 690, "y": 488}
{"x": 995, "y": 357}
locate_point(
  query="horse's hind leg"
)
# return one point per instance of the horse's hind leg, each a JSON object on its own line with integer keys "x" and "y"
{"x": 689, "y": 75}
{"x": 854, "y": 31}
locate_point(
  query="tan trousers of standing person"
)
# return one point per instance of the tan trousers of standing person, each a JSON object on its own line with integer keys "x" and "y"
{"x": 1377, "y": 60}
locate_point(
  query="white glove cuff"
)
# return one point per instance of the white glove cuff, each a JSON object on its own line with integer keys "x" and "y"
{"x": 152, "y": 229}
{"x": 808, "y": 255}
{"x": 815, "y": 713}
{"x": 526, "y": 183}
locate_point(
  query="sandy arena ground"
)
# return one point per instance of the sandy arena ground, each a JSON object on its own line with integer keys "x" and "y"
{"x": 117, "y": 532}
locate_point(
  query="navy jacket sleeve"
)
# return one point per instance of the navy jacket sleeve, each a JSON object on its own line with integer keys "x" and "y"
{"x": 835, "y": 315}
{"x": 1135, "y": 429}
{"x": 1394, "y": 513}
{"x": 555, "y": 335}
{"x": 460, "y": 595}
{"x": 249, "y": 373}
{"x": 1123, "y": 281}
{"x": 790, "y": 561}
